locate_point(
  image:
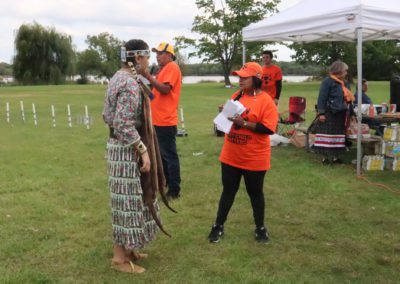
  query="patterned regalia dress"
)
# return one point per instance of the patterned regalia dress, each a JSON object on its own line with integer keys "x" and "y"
{"x": 132, "y": 224}
{"x": 330, "y": 136}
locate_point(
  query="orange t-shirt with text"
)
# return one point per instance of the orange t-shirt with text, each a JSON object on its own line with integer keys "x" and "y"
{"x": 246, "y": 149}
{"x": 271, "y": 74}
{"x": 164, "y": 107}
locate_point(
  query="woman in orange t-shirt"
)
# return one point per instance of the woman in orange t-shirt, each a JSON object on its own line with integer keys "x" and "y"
{"x": 246, "y": 151}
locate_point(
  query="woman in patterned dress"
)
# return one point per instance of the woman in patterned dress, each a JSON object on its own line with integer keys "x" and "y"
{"x": 128, "y": 159}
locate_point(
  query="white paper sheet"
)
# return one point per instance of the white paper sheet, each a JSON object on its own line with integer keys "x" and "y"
{"x": 231, "y": 108}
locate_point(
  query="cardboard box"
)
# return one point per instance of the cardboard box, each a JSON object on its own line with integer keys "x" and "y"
{"x": 392, "y": 133}
{"x": 373, "y": 163}
{"x": 391, "y": 149}
{"x": 392, "y": 164}
{"x": 299, "y": 139}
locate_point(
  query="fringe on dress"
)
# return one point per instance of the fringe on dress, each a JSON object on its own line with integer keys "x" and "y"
{"x": 132, "y": 224}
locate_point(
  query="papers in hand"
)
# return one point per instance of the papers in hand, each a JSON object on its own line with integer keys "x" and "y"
{"x": 231, "y": 108}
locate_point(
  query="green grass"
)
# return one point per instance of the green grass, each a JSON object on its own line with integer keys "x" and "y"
{"x": 326, "y": 225}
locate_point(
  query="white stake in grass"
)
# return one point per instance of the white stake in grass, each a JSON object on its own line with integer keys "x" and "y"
{"x": 182, "y": 119}
{"x": 182, "y": 132}
{"x": 8, "y": 112}
{"x": 21, "y": 103}
{"x": 69, "y": 116}
{"x": 53, "y": 115}
{"x": 34, "y": 114}
{"x": 87, "y": 117}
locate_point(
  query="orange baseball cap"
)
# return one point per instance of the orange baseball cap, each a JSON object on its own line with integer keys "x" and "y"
{"x": 164, "y": 46}
{"x": 249, "y": 69}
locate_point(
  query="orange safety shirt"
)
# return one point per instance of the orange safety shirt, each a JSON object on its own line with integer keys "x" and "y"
{"x": 271, "y": 74}
{"x": 246, "y": 149}
{"x": 164, "y": 107}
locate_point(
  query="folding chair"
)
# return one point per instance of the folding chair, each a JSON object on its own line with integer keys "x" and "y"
{"x": 292, "y": 118}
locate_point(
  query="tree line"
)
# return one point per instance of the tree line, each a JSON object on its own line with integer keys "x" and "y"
{"x": 219, "y": 41}
{"x": 288, "y": 68}
{"x": 88, "y": 62}
{"x": 45, "y": 56}
{"x": 381, "y": 59}
{"x": 6, "y": 69}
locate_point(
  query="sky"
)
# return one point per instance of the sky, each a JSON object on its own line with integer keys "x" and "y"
{"x": 151, "y": 20}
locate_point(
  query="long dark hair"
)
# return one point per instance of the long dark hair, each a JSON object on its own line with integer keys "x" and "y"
{"x": 257, "y": 82}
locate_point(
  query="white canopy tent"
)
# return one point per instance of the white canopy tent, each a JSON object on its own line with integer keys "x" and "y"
{"x": 340, "y": 20}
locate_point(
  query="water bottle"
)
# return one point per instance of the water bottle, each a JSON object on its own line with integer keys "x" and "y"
{"x": 384, "y": 108}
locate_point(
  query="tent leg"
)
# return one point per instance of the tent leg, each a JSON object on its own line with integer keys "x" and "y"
{"x": 244, "y": 52}
{"x": 359, "y": 98}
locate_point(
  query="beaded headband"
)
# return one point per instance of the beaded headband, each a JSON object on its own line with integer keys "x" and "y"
{"x": 132, "y": 53}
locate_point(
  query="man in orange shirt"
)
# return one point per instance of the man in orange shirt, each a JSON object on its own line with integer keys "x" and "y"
{"x": 272, "y": 77}
{"x": 167, "y": 89}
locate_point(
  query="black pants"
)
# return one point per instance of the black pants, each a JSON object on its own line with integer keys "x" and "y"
{"x": 167, "y": 142}
{"x": 254, "y": 181}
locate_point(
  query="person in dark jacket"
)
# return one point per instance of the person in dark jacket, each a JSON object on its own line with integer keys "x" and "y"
{"x": 334, "y": 103}
{"x": 364, "y": 99}
{"x": 373, "y": 123}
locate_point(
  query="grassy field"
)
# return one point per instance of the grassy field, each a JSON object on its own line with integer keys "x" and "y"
{"x": 326, "y": 225}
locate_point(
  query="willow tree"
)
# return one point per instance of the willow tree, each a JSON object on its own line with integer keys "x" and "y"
{"x": 43, "y": 56}
{"x": 219, "y": 26}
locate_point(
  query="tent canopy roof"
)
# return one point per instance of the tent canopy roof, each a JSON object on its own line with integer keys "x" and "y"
{"x": 315, "y": 20}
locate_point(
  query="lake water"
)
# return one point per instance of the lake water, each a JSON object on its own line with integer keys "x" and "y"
{"x": 235, "y": 79}
{"x": 186, "y": 79}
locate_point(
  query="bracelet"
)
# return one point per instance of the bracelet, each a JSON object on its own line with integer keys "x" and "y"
{"x": 141, "y": 148}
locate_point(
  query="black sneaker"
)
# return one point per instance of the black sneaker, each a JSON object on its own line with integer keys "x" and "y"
{"x": 262, "y": 235}
{"x": 217, "y": 231}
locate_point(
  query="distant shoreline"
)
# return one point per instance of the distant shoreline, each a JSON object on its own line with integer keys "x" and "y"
{"x": 185, "y": 79}
{"x": 235, "y": 79}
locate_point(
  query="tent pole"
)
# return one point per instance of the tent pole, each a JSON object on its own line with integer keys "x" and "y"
{"x": 244, "y": 52}
{"x": 359, "y": 98}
